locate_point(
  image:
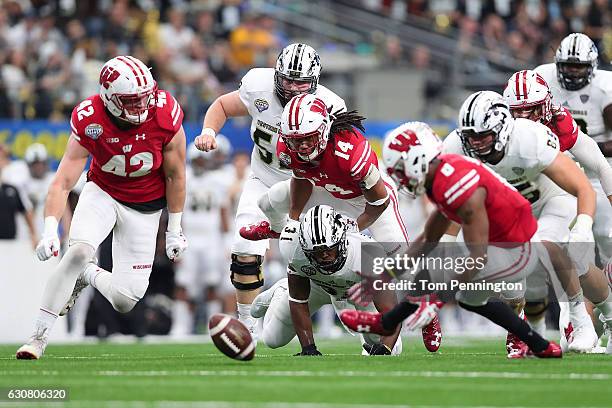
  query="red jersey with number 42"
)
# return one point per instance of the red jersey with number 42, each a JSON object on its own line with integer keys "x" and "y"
{"x": 509, "y": 213}
{"x": 564, "y": 127}
{"x": 127, "y": 163}
{"x": 343, "y": 167}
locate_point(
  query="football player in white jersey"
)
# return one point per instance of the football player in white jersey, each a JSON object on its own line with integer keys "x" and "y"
{"x": 206, "y": 218}
{"x": 262, "y": 95}
{"x": 577, "y": 84}
{"x": 527, "y": 154}
{"x": 529, "y": 96}
{"x": 323, "y": 255}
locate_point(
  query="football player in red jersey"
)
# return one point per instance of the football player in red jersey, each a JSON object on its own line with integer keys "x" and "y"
{"x": 333, "y": 164}
{"x": 133, "y": 132}
{"x": 497, "y": 225}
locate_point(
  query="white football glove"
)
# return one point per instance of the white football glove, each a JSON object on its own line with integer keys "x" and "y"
{"x": 176, "y": 244}
{"x": 427, "y": 311}
{"x": 49, "y": 245}
{"x": 581, "y": 246}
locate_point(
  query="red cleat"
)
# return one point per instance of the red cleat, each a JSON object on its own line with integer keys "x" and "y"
{"x": 432, "y": 335}
{"x": 515, "y": 347}
{"x": 259, "y": 231}
{"x": 364, "y": 322}
{"x": 552, "y": 351}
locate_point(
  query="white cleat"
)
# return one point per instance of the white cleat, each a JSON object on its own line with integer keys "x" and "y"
{"x": 34, "y": 348}
{"x": 262, "y": 302}
{"x": 78, "y": 288}
{"x": 584, "y": 337}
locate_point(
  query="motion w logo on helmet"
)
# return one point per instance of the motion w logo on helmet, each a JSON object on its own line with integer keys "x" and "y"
{"x": 108, "y": 75}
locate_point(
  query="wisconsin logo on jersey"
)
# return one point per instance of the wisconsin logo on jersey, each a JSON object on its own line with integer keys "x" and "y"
{"x": 93, "y": 131}
{"x": 261, "y": 104}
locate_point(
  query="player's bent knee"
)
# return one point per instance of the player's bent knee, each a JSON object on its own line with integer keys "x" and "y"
{"x": 247, "y": 268}
{"x": 534, "y": 310}
{"x": 79, "y": 254}
{"x": 122, "y": 303}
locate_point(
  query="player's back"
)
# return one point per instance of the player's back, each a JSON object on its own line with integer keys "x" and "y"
{"x": 127, "y": 161}
{"x": 509, "y": 214}
{"x": 258, "y": 94}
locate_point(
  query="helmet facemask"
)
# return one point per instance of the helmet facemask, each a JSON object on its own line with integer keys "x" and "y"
{"x": 307, "y": 146}
{"x": 135, "y": 108}
{"x": 574, "y": 75}
{"x": 328, "y": 258}
{"x": 286, "y": 87}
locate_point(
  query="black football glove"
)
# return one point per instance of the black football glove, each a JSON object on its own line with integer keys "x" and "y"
{"x": 309, "y": 350}
{"x": 378, "y": 349}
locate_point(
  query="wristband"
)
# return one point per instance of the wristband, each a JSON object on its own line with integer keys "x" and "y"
{"x": 174, "y": 222}
{"x": 50, "y": 226}
{"x": 584, "y": 222}
{"x": 209, "y": 132}
{"x": 379, "y": 202}
{"x": 294, "y": 300}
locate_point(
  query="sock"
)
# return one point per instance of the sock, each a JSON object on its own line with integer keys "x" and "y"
{"x": 502, "y": 314}
{"x": 577, "y": 310}
{"x": 244, "y": 315}
{"x": 395, "y": 316}
{"x": 45, "y": 321}
{"x": 605, "y": 307}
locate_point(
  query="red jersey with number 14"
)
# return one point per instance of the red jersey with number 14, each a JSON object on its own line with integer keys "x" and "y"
{"x": 127, "y": 163}
{"x": 509, "y": 213}
{"x": 346, "y": 162}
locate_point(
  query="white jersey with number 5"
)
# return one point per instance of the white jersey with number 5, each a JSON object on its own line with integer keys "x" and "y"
{"x": 258, "y": 95}
{"x": 531, "y": 148}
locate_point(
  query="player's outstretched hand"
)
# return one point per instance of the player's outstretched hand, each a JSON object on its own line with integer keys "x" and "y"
{"x": 428, "y": 306}
{"x": 47, "y": 247}
{"x": 377, "y": 349}
{"x": 206, "y": 141}
{"x": 310, "y": 350}
{"x": 176, "y": 244}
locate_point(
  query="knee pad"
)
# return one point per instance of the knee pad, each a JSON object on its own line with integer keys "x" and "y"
{"x": 79, "y": 254}
{"x": 122, "y": 303}
{"x": 536, "y": 310}
{"x": 247, "y": 269}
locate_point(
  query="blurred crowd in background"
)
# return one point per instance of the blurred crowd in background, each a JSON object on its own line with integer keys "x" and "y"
{"x": 51, "y": 51}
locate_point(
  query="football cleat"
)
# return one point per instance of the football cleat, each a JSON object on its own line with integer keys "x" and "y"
{"x": 35, "y": 347}
{"x": 364, "y": 322}
{"x": 432, "y": 335}
{"x": 515, "y": 347}
{"x": 262, "y": 302}
{"x": 258, "y": 231}
{"x": 583, "y": 337}
{"x": 552, "y": 351}
{"x": 79, "y": 285}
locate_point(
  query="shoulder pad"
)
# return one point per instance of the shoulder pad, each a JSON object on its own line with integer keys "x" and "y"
{"x": 169, "y": 115}
{"x": 87, "y": 118}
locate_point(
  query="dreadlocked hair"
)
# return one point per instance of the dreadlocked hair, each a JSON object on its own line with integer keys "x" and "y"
{"x": 346, "y": 121}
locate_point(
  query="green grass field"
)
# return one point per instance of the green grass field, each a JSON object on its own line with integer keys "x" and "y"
{"x": 464, "y": 373}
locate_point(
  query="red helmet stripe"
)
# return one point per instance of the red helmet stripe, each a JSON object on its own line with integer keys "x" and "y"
{"x": 138, "y": 63}
{"x": 290, "y": 113}
{"x": 129, "y": 64}
{"x": 294, "y": 112}
{"x": 525, "y": 83}
{"x": 516, "y": 86}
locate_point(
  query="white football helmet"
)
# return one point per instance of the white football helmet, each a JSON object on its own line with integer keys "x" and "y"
{"x": 529, "y": 96}
{"x": 36, "y": 152}
{"x": 323, "y": 238}
{"x": 305, "y": 126}
{"x": 200, "y": 160}
{"x": 485, "y": 124}
{"x": 398, "y": 142}
{"x": 128, "y": 89}
{"x": 297, "y": 71}
{"x": 576, "y": 61}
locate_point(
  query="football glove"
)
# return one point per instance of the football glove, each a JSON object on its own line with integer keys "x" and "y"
{"x": 377, "y": 349}
{"x": 176, "y": 243}
{"x": 49, "y": 245}
{"x": 309, "y": 350}
{"x": 428, "y": 306}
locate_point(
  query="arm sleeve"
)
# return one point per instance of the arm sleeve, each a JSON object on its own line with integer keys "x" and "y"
{"x": 587, "y": 153}
{"x": 243, "y": 91}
